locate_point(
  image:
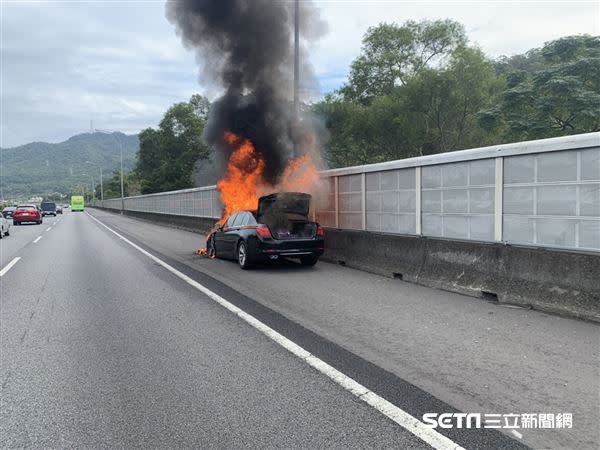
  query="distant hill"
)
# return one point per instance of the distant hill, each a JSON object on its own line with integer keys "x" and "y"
{"x": 42, "y": 168}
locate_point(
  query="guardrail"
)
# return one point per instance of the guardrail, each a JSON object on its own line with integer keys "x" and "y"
{"x": 543, "y": 193}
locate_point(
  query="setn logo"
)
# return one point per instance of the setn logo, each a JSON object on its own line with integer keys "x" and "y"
{"x": 450, "y": 420}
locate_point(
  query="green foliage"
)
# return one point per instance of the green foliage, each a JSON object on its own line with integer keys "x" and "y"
{"x": 167, "y": 155}
{"x": 42, "y": 168}
{"x": 393, "y": 54}
{"x": 420, "y": 88}
{"x": 111, "y": 187}
{"x": 429, "y": 103}
{"x": 553, "y": 91}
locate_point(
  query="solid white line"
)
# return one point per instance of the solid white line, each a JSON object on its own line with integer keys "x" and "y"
{"x": 9, "y": 265}
{"x": 37, "y": 239}
{"x": 401, "y": 417}
{"x": 48, "y": 229}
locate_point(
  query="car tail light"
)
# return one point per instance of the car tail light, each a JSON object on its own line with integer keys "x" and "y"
{"x": 320, "y": 231}
{"x": 263, "y": 231}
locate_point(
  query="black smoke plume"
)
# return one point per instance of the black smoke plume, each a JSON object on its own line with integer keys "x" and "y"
{"x": 246, "y": 47}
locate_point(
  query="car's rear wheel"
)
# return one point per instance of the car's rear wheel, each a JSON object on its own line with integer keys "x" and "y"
{"x": 212, "y": 249}
{"x": 309, "y": 260}
{"x": 15, "y": 223}
{"x": 243, "y": 256}
{"x": 7, "y": 232}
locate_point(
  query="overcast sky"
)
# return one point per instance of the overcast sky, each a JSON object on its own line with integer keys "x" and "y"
{"x": 120, "y": 64}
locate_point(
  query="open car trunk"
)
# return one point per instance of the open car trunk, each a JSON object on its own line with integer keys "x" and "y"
{"x": 286, "y": 215}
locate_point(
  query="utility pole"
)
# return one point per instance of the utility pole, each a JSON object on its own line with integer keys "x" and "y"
{"x": 93, "y": 188}
{"x": 296, "y": 70}
{"x": 101, "y": 187}
{"x": 122, "y": 190}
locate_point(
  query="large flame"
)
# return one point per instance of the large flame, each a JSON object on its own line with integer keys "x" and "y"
{"x": 244, "y": 181}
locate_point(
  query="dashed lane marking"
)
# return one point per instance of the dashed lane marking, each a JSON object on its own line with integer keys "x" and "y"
{"x": 9, "y": 265}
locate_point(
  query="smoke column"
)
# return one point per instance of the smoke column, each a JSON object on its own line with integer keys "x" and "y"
{"x": 246, "y": 48}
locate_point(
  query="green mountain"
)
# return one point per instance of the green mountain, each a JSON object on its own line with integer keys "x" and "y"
{"x": 41, "y": 168}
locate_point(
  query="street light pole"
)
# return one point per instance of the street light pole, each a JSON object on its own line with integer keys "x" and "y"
{"x": 121, "y": 152}
{"x": 296, "y": 70}
{"x": 101, "y": 187}
{"x": 122, "y": 190}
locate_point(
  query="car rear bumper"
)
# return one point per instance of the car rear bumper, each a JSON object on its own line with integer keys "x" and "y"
{"x": 289, "y": 248}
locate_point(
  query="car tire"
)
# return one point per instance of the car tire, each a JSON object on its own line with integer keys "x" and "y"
{"x": 309, "y": 260}
{"x": 7, "y": 233}
{"x": 243, "y": 256}
{"x": 15, "y": 223}
{"x": 211, "y": 248}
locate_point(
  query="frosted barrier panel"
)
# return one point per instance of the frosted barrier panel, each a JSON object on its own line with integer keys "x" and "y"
{"x": 391, "y": 201}
{"x": 325, "y": 203}
{"x": 457, "y": 200}
{"x": 350, "y": 201}
{"x": 553, "y": 199}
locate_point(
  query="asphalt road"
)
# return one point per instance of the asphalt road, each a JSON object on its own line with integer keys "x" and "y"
{"x": 103, "y": 347}
{"x": 472, "y": 355}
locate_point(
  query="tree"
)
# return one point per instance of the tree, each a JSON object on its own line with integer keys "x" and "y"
{"x": 447, "y": 101}
{"x": 435, "y": 109}
{"x": 112, "y": 186}
{"x": 561, "y": 96}
{"x": 167, "y": 155}
{"x": 392, "y": 54}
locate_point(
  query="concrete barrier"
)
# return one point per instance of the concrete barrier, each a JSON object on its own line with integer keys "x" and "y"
{"x": 561, "y": 282}
{"x": 556, "y": 281}
{"x": 188, "y": 223}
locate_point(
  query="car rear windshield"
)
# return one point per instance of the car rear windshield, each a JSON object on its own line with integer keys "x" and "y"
{"x": 48, "y": 206}
{"x": 26, "y": 207}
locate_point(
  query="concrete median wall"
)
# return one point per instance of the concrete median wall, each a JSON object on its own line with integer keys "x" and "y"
{"x": 555, "y": 281}
{"x": 189, "y": 223}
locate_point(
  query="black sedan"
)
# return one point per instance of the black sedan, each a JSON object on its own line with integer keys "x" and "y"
{"x": 279, "y": 228}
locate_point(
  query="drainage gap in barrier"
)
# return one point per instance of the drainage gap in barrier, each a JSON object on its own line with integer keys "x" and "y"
{"x": 341, "y": 263}
{"x": 397, "y": 276}
{"x": 489, "y": 296}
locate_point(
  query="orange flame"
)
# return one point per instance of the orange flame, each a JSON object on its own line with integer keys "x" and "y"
{"x": 244, "y": 182}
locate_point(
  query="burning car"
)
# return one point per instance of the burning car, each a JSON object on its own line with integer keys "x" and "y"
{"x": 280, "y": 227}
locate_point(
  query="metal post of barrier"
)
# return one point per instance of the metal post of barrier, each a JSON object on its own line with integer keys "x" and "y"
{"x": 418, "y": 200}
{"x": 498, "y": 199}
{"x": 336, "y": 201}
{"x": 363, "y": 200}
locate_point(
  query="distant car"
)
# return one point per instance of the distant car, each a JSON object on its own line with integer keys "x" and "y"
{"x": 7, "y": 212}
{"x": 58, "y": 209}
{"x": 48, "y": 209}
{"x": 65, "y": 206}
{"x": 27, "y": 213}
{"x": 4, "y": 227}
{"x": 279, "y": 228}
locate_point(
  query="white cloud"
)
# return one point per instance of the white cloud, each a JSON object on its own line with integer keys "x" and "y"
{"x": 121, "y": 64}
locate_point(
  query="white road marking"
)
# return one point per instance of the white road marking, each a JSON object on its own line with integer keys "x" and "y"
{"x": 401, "y": 417}
{"x": 517, "y": 434}
{"x": 9, "y": 265}
{"x": 37, "y": 239}
{"x": 48, "y": 229}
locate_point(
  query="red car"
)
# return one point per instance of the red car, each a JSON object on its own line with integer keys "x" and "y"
{"x": 27, "y": 213}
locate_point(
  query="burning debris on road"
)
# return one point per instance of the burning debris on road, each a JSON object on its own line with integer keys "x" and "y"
{"x": 246, "y": 48}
